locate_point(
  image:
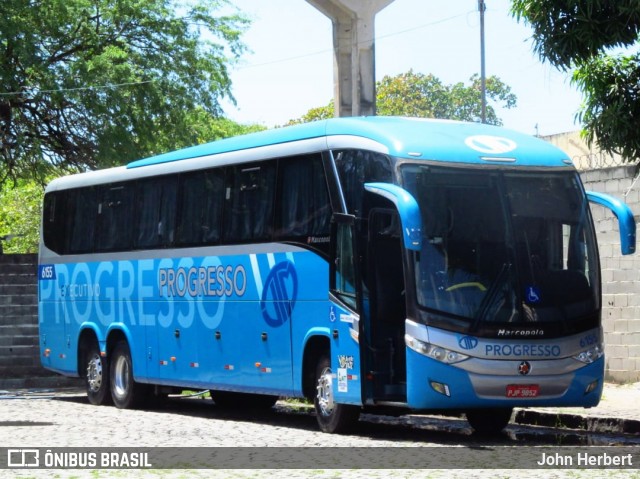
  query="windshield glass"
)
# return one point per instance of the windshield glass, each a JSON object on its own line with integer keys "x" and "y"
{"x": 504, "y": 247}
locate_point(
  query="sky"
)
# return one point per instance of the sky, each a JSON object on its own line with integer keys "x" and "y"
{"x": 289, "y": 66}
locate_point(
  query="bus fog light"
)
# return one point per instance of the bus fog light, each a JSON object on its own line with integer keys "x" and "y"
{"x": 440, "y": 388}
{"x": 591, "y": 387}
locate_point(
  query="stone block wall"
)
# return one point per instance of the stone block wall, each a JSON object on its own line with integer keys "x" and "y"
{"x": 19, "y": 349}
{"x": 620, "y": 274}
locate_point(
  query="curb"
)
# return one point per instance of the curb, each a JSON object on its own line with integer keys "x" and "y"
{"x": 577, "y": 422}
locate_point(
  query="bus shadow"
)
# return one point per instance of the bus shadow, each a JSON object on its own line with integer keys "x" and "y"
{"x": 442, "y": 430}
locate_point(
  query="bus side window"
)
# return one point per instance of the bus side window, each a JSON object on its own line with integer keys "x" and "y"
{"x": 156, "y": 199}
{"x": 114, "y": 230}
{"x": 357, "y": 167}
{"x": 82, "y": 208}
{"x": 249, "y": 195}
{"x": 304, "y": 209}
{"x": 201, "y": 200}
{"x": 53, "y": 221}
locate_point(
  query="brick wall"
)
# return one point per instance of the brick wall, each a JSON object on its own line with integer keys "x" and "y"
{"x": 620, "y": 274}
{"x": 19, "y": 351}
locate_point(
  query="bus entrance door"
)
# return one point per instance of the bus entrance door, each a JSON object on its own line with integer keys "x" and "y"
{"x": 394, "y": 225}
{"x": 387, "y": 310}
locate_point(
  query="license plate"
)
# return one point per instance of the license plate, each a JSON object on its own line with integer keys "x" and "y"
{"x": 523, "y": 390}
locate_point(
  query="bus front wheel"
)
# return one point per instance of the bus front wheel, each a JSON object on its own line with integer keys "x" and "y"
{"x": 96, "y": 376}
{"x": 489, "y": 421}
{"x": 332, "y": 417}
{"x": 125, "y": 392}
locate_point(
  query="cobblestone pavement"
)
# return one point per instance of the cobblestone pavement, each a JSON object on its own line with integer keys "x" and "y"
{"x": 621, "y": 401}
{"x": 65, "y": 419}
{"x": 618, "y": 410}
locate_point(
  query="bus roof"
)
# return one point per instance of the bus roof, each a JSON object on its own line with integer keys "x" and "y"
{"x": 411, "y": 138}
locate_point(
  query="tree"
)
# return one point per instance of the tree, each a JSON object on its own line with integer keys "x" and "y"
{"x": 20, "y": 212}
{"x": 418, "y": 95}
{"x": 579, "y": 36}
{"x": 94, "y": 83}
{"x": 318, "y": 113}
{"x": 203, "y": 128}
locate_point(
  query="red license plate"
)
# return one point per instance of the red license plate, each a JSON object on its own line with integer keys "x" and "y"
{"x": 522, "y": 390}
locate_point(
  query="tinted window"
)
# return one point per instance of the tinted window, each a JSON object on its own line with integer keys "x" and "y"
{"x": 201, "y": 200}
{"x": 53, "y": 227}
{"x": 249, "y": 199}
{"x": 304, "y": 208}
{"x": 114, "y": 228}
{"x": 156, "y": 212}
{"x": 82, "y": 206}
{"x": 357, "y": 167}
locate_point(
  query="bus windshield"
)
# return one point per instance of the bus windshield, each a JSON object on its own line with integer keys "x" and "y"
{"x": 499, "y": 246}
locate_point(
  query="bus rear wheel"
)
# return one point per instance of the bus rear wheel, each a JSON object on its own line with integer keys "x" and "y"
{"x": 331, "y": 416}
{"x": 96, "y": 376}
{"x": 489, "y": 422}
{"x": 125, "y": 392}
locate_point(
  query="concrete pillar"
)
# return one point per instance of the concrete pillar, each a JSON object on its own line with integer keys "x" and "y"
{"x": 354, "y": 53}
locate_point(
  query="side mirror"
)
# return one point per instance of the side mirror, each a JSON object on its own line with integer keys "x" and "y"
{"x": 626, "y": 221}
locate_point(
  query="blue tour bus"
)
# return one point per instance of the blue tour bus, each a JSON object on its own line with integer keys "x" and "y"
{"x": 363, "y": 263}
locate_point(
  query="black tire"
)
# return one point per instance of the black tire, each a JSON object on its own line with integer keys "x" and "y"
{"x": 489, "y": 422}
{"x": 233, "y": 400}
{"x": 332, "y": 418}
{"x": 96, "y": 376}
{"x": 125, "y": 392}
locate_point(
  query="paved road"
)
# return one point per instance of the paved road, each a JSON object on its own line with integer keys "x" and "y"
{"x": 67, "y": 420}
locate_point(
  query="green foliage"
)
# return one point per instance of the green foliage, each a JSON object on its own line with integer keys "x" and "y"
{"x": 425, "y": 96}
{"x": 203, "y": 128}
{"x": 20, "y": 210}
{"x": 419, "y": 95}
{"x": 319, "y": 113}
{"x": 90, "y": 83}
{"x": 568, "y": 31}
{"x": 610, "y": 112}
{"x": 579, "y": 35}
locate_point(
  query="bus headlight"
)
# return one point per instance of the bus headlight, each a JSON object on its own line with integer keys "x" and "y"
{"x": 590, "y": 355}
{"x": 434, "y": 352}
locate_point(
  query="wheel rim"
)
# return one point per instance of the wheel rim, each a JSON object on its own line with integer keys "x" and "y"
{"x": 121, "y": 377}
{"x": 325, "y": 393}
{"x": 94, "y": 373}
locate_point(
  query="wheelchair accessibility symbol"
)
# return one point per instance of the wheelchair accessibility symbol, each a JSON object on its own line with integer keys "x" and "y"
{"x": 533, "y": 295}
{"x": 279, "y": 294}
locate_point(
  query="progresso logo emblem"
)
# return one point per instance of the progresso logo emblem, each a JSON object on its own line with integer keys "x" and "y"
{"x": 279, "y": 294}
{"x": 468, "y": 342}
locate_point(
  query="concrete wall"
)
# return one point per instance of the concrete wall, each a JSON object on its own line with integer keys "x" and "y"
{"x": 19, "y": 349}
{"x": 18, "y": 316}
{"x": 620, "y": 274}
{"x": 585, "y": 157}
